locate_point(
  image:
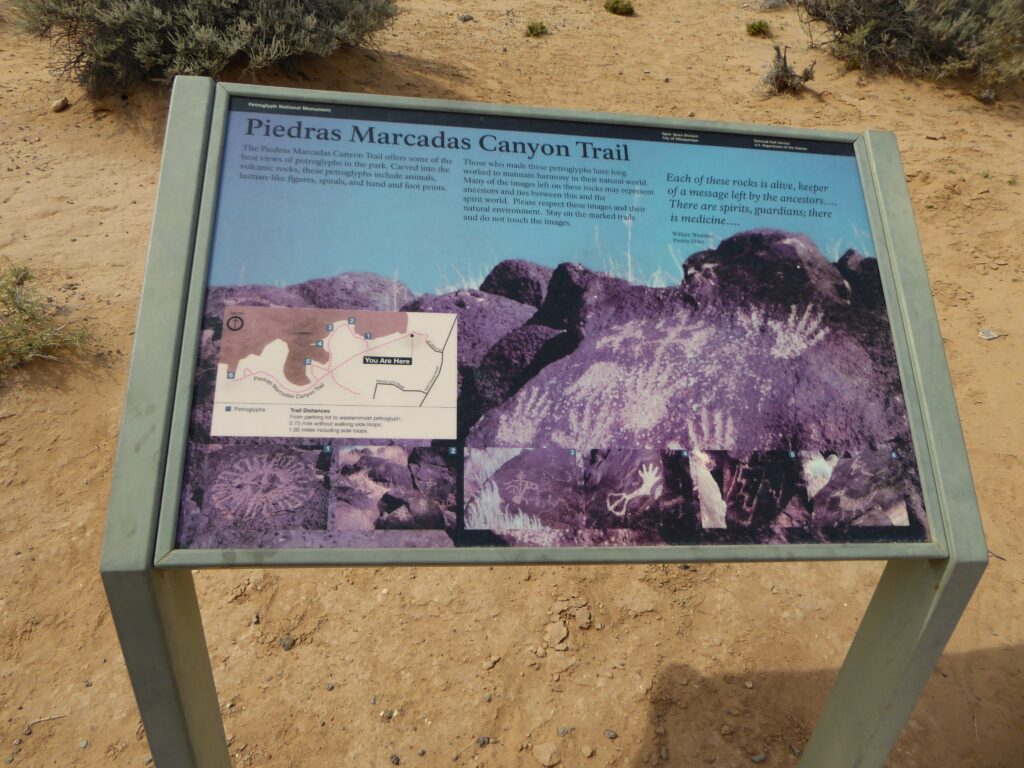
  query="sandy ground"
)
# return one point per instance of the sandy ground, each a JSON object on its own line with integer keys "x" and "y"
{"x": 715, "y": 663}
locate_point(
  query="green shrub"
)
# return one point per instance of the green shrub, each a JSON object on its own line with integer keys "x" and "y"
{"x": 983, "y": 39}
{"x": 759, "y": 28}
{"x": 28, "y": 328}
{"x": 536, "y": 29}
{"x": 782, "y": 78}
{"x": 619, "y": 7}
{"x": 111, "y": 45}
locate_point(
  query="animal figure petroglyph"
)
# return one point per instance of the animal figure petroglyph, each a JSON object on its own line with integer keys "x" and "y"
{"x": 650, "y": 486}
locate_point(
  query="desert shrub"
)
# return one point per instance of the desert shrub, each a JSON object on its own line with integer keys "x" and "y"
{"x": 759, "y": 28}
{"x": 619, "y": 7}
{"x": 536, "y": 29}
{"x": 782, "y": 78}
{"x": 983, "y": 39}
{"x": 111, "y": 45}
{"x": 28, "y": 326}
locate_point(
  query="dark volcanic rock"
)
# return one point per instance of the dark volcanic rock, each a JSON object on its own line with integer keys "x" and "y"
{"x": 871, "y": 488}
{"x": 354, "y": 290}
{"x": 760, "y": 349}
{"x": 862, "y": 275}
{"x": 515, "y": 359}
{"x": 483, "y": 319}
{"x": 519, "y": 280}
{"x": 535, "y": 489}
{"x": 645, "y": 490}
{"x": 765, "y": 268}
{"x": 382, "y": 471}
{"x": 408, "y": 509}
{"x": 349, "y": 290}
{"x": 244, "y": 495}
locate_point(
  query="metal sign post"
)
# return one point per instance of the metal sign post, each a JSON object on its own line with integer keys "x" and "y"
{"x": 302, "y": 405}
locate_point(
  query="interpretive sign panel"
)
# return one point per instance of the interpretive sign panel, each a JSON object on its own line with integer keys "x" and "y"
{"x": 436, "y": 328}
{"x": 377, "y": 330}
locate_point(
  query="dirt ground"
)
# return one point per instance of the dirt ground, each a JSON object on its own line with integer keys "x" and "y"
{"x": 714, "y": 663}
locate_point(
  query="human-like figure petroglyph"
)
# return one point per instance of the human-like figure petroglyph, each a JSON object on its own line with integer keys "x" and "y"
{"x": 520, "y": 488}
{"x": 650, "y": 487}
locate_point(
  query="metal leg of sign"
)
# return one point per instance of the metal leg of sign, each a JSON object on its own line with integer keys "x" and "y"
{"x": 161, "y": 632}
{"x": 915, "y": 608}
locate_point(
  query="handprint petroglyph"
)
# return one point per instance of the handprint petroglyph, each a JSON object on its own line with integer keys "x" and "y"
{"x": 797, "y": 333}
{"x": 650, "y": 486}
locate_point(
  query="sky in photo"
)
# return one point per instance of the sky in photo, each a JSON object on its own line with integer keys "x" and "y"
{"x": 278, "y": 233}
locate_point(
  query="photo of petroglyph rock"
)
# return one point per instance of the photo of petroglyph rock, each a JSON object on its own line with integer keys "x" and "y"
{"x": 758, "y": 400}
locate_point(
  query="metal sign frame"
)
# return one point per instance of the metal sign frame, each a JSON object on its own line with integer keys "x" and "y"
{"x": 923, "y": 591}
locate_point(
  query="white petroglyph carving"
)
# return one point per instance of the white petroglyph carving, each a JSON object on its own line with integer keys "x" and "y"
{"x": 650, "y": 487}
{"x": 712, "y": 505}
{"x": 797, "y": 333}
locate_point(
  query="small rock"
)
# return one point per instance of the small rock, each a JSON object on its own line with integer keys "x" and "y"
{"x": 987, "y": 96}
{"x": 726, "y": 730}
{"x": 465, "y": 17}
{"x": 749, "y": 685}
{"x": 759, "y": 758}
{"x": 565, "y": 730}
{"x": 587, "y": 750}
{"x": 255, "y": 619}
{"x": 17, "y": 742}
{"x": 483, "y": 741}
{"x": 287, "y": 642}
{"x": 395, "y": 760}
{"x": 487, "y": 698}
{"x": 329, "y": 686}
{"x": 989, "y": 335}
{"x": 583, "y": 618}
{"x": 561, "y": 647}
{"x": 148, "y": 761}
{"x": 556, "y": 632}
{"x": 547, "y": 754}
{"x": 83, "y": 744}
{"x": 27, "y": 731}
{"x": 60, "y": 104}
{"x": 489, "y": 664}
{"x": 8, "y": 760}
{"x": 611, "y": 734}
{"x": 421, "y": 752}
{"x": 664, "y": 753}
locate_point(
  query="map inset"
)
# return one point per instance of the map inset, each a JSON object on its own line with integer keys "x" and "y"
{"x": 303, "y": 372}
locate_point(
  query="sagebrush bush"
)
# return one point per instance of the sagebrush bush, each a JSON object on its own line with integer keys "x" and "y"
{"x": 619, "y": 7}
{"x": 536, "y": 29}
{"x": 759, "y": 28}
{"x": 111, "y": 45}
{"x": 983, "y": 39}
{"x": 780, "y": 77}
{"x": 29, "y": 328}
